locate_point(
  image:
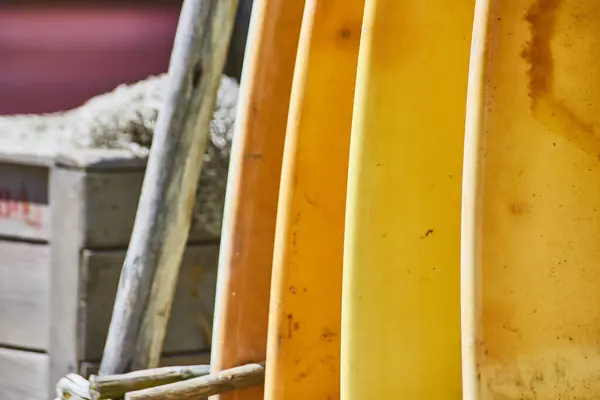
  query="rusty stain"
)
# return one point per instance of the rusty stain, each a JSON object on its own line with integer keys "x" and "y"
{"x": 345, "y": 33}
{"x": 309, "y": 200}
{"x": 292, "y": 290}
{"x": 300, "y": 376}
{"x": 541, "y": 17}
{"x": 429, "y": 232}
{"x": 253, "y": 156}
{"x": 328, "y": 335}
{"x": 290, "y": 319}
{"x": 253, "y": 108}
{"x": 519, "y": 208}
{"x": 538, "y": 53}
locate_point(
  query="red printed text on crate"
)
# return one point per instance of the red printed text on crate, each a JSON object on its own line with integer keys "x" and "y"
{"x": 17, "y": 205}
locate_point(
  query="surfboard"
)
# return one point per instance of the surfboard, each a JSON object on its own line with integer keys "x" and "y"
{"x": 401, "y": 290}
{"x": 248, "y": 233}
{"x": 303, "y": 352}
{"x": 530, "y": 248}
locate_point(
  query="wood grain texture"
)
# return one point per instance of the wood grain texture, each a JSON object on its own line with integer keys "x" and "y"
{"x": 112, "y": 190}
{"x": 100, "y": 159}
{"x": 190, "y": 325}
{"x": 80, "y": 306}
{"x": 149, "y": 275}
{"x": 23, "y": 375}
{"x": 242, "y": 304}
{"x": 208, "y": 385}
{"x": 111, "y": 200}
{"x": 24, "y": 295}
{"x": 26, "y": 158}
{"x": 24, "y": 205}
{"x": 67, "y": 190}
{"x": 115, "y": 386}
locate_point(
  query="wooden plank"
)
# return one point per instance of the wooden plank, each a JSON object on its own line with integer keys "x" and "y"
{"x": 86, "y": 368}
{"x": 28, "y": 158}
{"x": 24, "y": 210}
{"x": 100, "y": 159}
{"x": 111, "y": 201}
{"x": 23, "y": 375}
{"x": 190, "y": 326}
{"x": 67, "y": 190}
{"x": 24, "y": 293}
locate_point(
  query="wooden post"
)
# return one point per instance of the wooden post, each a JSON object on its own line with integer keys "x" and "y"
{"x": 143, "y": 303}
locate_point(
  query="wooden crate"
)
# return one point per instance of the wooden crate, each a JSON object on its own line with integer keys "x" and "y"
{"x": 64, "y": 229}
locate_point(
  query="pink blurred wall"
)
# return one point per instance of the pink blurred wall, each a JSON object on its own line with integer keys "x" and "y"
{"x": 54, "y": 58}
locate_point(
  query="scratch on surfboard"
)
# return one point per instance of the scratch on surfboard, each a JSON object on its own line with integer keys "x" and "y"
{"x": 541, "y": 17}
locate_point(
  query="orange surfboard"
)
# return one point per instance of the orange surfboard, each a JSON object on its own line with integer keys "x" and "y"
{"x": 303, "y": 350}
{"x": 243, "y": 284}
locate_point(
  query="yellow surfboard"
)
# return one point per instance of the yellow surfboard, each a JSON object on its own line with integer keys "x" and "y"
{"x": 401, "y": 292}
{"x": 244, "y": 280}
{"x": 531, "y": 207}
{"x": 304, "y": 323}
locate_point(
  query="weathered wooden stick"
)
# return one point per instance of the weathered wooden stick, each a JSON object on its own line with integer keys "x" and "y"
{"x": 162, "y": 222}
{"x": 208, "y": 385}
{"x": 115, "y": 386}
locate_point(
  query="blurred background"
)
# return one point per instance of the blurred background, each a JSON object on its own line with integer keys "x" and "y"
{"x": 55, "y": 55}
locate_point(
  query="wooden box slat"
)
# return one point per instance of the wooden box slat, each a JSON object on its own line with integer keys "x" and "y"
{"x": 111, "y": 200}
{"x": 24, "y": 294}
{"x": 23, "y": 375}
{"x": 111, "y": 194}
{"x": 191, "y": 318}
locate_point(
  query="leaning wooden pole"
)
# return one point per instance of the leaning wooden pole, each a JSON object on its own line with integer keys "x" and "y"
{"x": 149, "y": 275}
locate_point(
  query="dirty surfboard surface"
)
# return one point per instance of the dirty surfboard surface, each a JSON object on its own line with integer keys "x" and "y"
{"x": 245, "y": 261}
{"x": 401, "y": 292}
{"x": 531, "y": 216}
{"x": 304, "y": 325}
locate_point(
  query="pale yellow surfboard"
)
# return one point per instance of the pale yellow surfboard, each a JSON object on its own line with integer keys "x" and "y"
{"x": 303, "y": 344}
{"x": 531, "y": 227}
{"x": 245, "y": 260}
{"x": 401, "y": 293}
